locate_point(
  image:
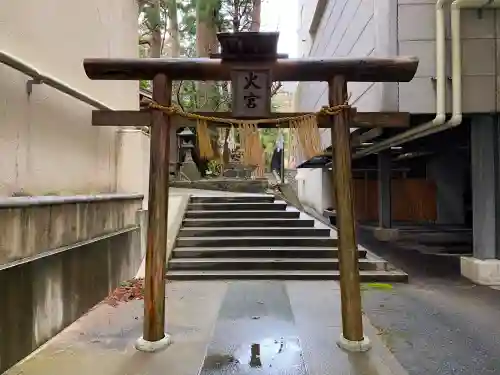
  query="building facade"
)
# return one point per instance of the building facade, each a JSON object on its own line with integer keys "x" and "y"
{"x": 47, "y": 142}
{"x": 453, "y": 102}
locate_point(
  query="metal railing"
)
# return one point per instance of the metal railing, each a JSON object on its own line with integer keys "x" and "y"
{"x": 41, "y": 78}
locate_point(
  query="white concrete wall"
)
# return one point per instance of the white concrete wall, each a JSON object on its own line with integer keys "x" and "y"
{"x": 403, "y": 27}
{"x": 347, "y": 28}
{"x": 133, "y": 163}
{"x": 314, "y": 189}
{"x": 47, "y": 143}
{"x": 480, "y": 37}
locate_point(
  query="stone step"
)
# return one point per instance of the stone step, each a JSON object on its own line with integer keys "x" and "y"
{"x": 236, "y": 206}
{"x": 253, "y": 232}
{"x": 259, "y": 252}
{"x": 365, "y": 276}
{"x": 234, "y": 199}
{"x": 267, "y": 264}
{"x": 242, "y": 214}
{"x": 252, "y": 223}
{"x": 256, "y": 241}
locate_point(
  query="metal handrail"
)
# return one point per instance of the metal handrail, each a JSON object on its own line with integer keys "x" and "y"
{"x": 39, "y": 78}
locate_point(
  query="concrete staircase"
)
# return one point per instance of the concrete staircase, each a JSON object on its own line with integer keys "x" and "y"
{"x": 254, "y": 237}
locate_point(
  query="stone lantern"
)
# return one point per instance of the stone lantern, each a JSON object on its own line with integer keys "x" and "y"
{"x": 188, "y": 167}
{"x": 186, "y": 145}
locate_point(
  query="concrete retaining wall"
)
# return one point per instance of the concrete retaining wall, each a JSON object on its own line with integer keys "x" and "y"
{"x": 47, "y": 141}
{"x": 59, "y": 256}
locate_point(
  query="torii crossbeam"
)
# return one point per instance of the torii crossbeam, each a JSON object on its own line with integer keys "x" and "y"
{"x": 232, "y": 64}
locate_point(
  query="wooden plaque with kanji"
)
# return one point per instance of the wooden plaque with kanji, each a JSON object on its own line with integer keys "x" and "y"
{"x": 251, "y": 91}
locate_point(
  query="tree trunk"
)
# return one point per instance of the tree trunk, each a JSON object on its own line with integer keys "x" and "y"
{"x": 173, "y": 29}
{"x": 205, "y": 27}
{"x": 256, "y": 11}
{"x": 206, "y": 42}
{"x": 226, "y": 153}
{"x": 154, "y": 19}
{"x": 236, "y": 16}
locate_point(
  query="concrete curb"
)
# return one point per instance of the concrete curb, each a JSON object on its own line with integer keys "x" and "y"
{"x": 173, "y": 230}
{"x": 379, "y": 348}
{"x": 175, "y": 226}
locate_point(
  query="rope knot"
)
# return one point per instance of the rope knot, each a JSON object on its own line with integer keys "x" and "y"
{"x": 171, "y": 110}
{"x": 335, "y": 110}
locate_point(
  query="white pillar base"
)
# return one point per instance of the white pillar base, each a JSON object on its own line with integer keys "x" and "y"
{"x": 153, "y": 346}
{"x": 354, "y": 346}
{"x": 482, "y": 272}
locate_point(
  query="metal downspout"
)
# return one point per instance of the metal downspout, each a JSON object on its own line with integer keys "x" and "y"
{"x": 438, "y": 123}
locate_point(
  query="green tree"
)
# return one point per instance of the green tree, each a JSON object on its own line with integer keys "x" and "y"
{"x": 188, "y": 28}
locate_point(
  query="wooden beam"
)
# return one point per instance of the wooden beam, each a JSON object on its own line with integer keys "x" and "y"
{"x": 361, "y": 137}
{"x": 352, "y": 323}
{"x": 367, "y": 69}
{"x": 143, "y": 118}
{"x": 156, "y": 244}
{"x": 121, "y": 118}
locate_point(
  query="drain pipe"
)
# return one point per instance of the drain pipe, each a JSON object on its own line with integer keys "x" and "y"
{"x": 456, "y": 67}
{"x": 439, "y": 121}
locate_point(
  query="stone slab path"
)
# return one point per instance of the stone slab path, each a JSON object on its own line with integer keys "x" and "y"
{"x": 218, "y": 327}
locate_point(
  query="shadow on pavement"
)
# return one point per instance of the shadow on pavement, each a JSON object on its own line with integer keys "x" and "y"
{"x": 413, "y": 262}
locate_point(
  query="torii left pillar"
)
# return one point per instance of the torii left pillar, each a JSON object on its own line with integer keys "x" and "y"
{"x": 154, "y": 337}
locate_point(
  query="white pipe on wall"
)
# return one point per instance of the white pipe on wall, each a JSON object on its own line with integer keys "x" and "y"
{"x": 440, "y": 64}
{"x": 456, "y": 51}
{"x": 456, "y": 67}
{"x": 440, "y": 118}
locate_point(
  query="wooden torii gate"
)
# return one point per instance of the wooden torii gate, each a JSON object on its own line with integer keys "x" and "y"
{"x": 246, "y": 55}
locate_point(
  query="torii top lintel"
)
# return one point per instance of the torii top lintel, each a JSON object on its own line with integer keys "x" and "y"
{"x": 368, "y": 69}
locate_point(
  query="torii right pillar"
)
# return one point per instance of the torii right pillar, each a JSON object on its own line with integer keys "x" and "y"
{"x": 352, "y": 337}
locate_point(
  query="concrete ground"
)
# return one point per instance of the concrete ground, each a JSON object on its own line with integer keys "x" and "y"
{"x": 438, "y": 323}
{"x": 217, "y": 328}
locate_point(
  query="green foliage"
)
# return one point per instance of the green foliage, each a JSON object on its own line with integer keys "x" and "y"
{"x": 227, "y": 10}
{"x": 208, "y": 9}
{"x": 268, "y": 138}
{"x": 378, "y": 286}
{"x": 152, "y": 18}
{"x": 214, "y": 168}
{"x": 144, "y": 85}
{"x": 227, "y": 15}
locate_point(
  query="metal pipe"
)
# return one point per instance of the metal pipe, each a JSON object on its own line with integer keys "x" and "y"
{"x": 440, "y": 118}
{"x": 39, "y": 77}
{"x": 456, "y": 50}
{"x": 456, "y": 56}
{"x": 456, "y": 53}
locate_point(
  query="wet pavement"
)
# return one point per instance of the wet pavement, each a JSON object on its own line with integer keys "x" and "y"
{"x": 255, "y": 331}
{"x": 218, "y": 328}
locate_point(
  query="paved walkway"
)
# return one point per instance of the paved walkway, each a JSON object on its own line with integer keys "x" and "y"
{"x": 438, "y": 323}
{"x": 217, "y": 328}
